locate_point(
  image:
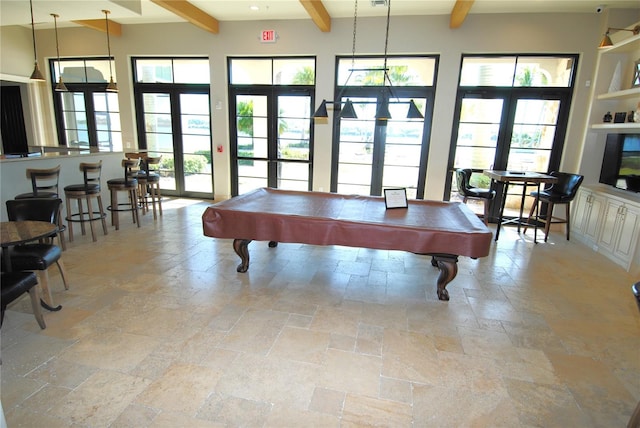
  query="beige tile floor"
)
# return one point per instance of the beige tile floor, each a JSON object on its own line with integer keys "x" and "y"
{"x": 158, "y": 330}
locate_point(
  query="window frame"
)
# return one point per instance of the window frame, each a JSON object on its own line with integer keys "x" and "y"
{"x": 88, "y": 89}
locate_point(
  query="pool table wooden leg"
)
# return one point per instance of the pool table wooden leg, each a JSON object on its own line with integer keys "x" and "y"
{"x": 241, "y": 247}
{"x": 448, "y": 265}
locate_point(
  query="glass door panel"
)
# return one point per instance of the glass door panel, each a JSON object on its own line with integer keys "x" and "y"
{"x": 252, "y": 142}
{"x": 534, "y": 131}
{"x": 196, "y": 143}
{"x": 159, "y": 135}
{"x": 356, "y": 149}
{"x": 294, "y": 136}
{"x": 402, "y": 149}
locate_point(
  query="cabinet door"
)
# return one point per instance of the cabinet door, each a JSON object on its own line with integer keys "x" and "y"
{"x": 592, "y": 225}
{"x": 625, "y": 245}
{"x": 581, "y": 211}
{"x": 609, "y": 230}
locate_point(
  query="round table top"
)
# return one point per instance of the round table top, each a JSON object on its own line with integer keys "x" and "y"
{"x": 19, "y": 232}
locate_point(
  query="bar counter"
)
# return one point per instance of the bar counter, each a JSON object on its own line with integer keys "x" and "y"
{"x": 13, "y": 179}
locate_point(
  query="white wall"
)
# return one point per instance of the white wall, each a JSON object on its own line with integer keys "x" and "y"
{"x": 486, "y": 33}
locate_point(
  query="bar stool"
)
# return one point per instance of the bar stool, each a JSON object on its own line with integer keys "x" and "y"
{"x": 89, "y": 189}
{"x": 149, "y": 183}
{"x": 129, "y": 184}
{"x": 44, "y": 185}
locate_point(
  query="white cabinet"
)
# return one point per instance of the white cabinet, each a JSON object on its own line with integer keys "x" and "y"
{"x": 609, "y": 223}
{"x": 619, "y": 232}
{"x": 612, "y": 86}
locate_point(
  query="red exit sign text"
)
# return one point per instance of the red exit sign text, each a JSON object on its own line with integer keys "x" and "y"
{"x": 268, "y": 36}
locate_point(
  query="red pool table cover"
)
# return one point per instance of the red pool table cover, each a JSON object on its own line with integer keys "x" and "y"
{"x": 320, "y": 218}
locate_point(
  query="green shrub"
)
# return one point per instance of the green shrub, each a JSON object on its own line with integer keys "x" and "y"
{"x": 206, "y": 154}
{"x": 193, "y": 164}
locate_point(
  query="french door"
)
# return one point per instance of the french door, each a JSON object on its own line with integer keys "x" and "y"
{"x": 176, "y": 125}
{"x": 516, "y": 130}
{"x": 374, "y": 154}
{"x": 271, "y": 137}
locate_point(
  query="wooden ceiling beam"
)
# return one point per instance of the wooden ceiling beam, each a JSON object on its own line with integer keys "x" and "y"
{"x": 187, "y": 11}
{"x": 115, "y": 29}
{"x": 459, "y": 12}
{"x": 318, "y": 14}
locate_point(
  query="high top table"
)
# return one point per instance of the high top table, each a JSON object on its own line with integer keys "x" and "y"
{"x": 443, "y": 230}
{"x": 522, "y": 178}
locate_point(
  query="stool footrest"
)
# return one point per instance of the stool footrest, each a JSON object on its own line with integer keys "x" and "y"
{"x": 96, "y": 215}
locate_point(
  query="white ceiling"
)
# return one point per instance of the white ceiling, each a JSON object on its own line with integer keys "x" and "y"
{"x": 17, "y": 12}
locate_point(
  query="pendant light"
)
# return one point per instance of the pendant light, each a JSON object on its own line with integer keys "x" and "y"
{"x": 111, "y": 87}
{"x": 37, "y": 74}
{"x": 60, "y": 86}
{"x": 382, "y": 112}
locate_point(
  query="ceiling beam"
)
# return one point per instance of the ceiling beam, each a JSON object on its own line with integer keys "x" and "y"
{"x": 318, "y": 14}
{"x": 459, "y": 12}
{"x": 186, "y": 10}
{"x": 115, "y": 29}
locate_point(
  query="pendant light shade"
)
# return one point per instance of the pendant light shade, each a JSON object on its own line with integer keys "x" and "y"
{"x": 414, "y": 112}
{"x": 321, "y": 113}
{"x": 60, "y": 86}
{"x": 383, "y": 111}
{"x": 36, "y": 74}
{"x": 347, "y": 111}
{"x": 111, "y": 87}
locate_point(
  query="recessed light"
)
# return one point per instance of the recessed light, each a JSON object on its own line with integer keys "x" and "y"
{"x": 254, "y": 8}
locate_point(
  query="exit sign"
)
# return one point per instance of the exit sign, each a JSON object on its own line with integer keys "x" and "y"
{"x": 268, "y": 36}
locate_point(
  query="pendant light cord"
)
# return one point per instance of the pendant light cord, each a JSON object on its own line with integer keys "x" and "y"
{"x": 33, "y": 31}
{"x": 355, "y": 21}
{"x": 55, "y": 24}
{"x": 106, "y": 20}
{"x": 386, "y": 43}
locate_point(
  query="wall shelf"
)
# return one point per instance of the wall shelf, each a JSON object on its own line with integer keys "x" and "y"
{"x": 618, "y": 95}
{"x": 624, "y": 128}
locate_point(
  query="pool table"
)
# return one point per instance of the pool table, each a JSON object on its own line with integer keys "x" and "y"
{"x": 443, "y": 230}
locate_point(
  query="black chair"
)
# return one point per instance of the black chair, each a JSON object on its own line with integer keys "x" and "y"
{"x": 37, "y": 256}
{"x": 463, "y": 180}
{"x": 14, "y": 285}
{"x": 562, "y": 192}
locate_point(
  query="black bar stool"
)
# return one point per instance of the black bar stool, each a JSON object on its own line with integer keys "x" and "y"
{"x": 88, "y": 190}
{"x": 129, "y": 184}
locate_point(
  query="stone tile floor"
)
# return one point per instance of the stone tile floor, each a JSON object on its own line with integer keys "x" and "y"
{"x": 158, "y": 330}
